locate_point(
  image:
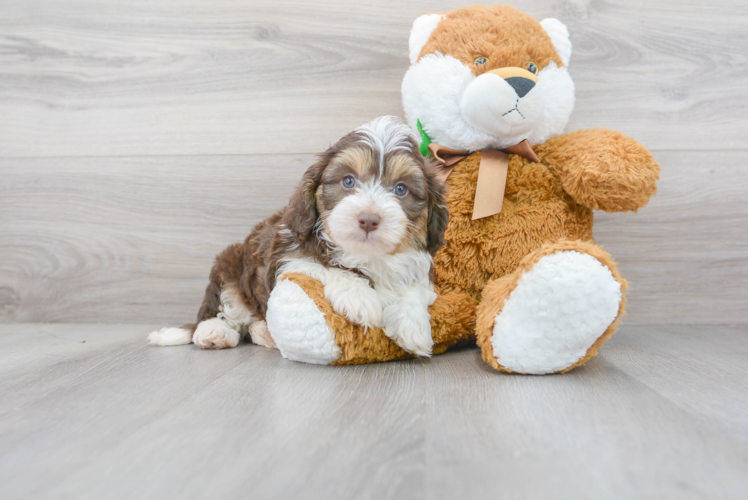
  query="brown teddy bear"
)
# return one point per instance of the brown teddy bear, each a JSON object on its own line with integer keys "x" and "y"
{"x": 489, "y": 92}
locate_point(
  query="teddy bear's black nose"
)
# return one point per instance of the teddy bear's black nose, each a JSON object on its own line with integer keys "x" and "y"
{"x": 520, "y": 85}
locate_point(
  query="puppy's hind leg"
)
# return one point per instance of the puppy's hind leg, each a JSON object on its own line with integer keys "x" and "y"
{"x": 215, "y": 333}
{"x": 186, "y": 334}
{"x": 224, "y": 314}
{"x": 222, "y": 328}
{"x": 209, "y": 309}
{"x": 236, "y": 314}
{"x": 209, "y": 331}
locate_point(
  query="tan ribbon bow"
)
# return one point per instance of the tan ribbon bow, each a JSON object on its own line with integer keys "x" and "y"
{"x": 494, "y": 164}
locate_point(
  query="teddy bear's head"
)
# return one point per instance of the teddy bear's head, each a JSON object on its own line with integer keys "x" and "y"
{"x": 487, "y": 77}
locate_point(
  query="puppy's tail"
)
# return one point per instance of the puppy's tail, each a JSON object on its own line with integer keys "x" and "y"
{"x": 172, "y": 335}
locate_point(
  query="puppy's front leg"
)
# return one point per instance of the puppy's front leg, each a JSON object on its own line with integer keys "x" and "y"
{"x": 353, "y": 297}
{"x": 349, "y": 294}
{"x": 407, "y": 321}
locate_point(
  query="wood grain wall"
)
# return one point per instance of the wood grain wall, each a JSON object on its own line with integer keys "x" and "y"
{"x": 139, "y": 138}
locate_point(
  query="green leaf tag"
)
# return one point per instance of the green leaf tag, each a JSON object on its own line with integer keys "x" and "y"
{"x": 425, "y": 140}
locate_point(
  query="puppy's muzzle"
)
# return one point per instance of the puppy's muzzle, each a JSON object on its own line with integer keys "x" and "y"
{"x": 368, "y": 222}
{"x": 521, "y": 80}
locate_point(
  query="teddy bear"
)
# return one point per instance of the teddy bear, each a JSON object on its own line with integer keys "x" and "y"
{"x": 489, "y": 93}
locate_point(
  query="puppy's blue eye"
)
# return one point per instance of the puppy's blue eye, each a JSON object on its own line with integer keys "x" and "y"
{"x": 400, "y": 190}
{"x": 349, "y": 181}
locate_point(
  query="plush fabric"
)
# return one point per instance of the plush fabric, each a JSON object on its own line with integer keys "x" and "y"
{"x": 499, "y": 290}
{"x": 452, "y": 323}
{"x": 506, "y": 35}
{"x": 540, "y": 294}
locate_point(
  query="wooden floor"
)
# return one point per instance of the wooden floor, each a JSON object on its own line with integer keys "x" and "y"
{"x": 91, "y": 411}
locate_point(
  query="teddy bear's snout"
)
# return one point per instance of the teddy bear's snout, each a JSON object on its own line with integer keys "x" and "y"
{"x": 521, "y": 80}
{"x": 520, "y": 85}
{"x": 504, "y": 102}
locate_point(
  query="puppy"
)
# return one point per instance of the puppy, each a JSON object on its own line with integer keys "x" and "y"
{"x": 365, "y": 222}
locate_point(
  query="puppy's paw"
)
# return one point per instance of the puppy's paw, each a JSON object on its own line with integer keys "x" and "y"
{"x": 258, "y": 331}
{"x": 215, "y": 334}
{"x": 409, "y": 327}
{"x": 356, "y": 301}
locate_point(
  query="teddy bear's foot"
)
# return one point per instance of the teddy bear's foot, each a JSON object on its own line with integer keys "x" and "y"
{"x": 298, "y": 327}
{"x": 554, "y": 312}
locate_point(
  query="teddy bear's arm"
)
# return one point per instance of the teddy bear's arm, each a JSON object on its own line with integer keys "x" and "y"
{"x": 306, "y": 328}
{"x": 603, "y": 169}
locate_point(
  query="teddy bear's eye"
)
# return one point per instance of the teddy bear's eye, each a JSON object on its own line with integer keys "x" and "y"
{"x": 532, "y": 68}
{"x": 480, "y": 61}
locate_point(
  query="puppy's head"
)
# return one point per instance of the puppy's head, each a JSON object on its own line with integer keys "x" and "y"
{"x": 371, "y": 194}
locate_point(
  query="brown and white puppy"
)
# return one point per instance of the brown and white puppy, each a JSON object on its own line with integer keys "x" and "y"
{"x": 365, "y": 221}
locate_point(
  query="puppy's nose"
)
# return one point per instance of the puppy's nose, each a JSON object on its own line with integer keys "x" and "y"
{"x": 368, "y": 222}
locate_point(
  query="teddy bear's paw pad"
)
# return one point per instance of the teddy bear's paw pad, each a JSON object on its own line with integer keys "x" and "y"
{"x": 215, "y": 334}
{"x": 558, "y": 309}
{"x": 298, "y": 327}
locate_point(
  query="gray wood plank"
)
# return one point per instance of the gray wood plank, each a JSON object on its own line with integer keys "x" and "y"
{"x": 175, "y": 423}
{"x": 115, "y": 418}
{"x": 82, "y": 78}
{"x": 597, "y": 432}
{"x": 679, "y": 362}
{"x": 132, "y": 239}
{"x": 101, "y": 237}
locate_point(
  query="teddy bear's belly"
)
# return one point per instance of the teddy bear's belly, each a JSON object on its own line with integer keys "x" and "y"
{"x": 479, "y": 251}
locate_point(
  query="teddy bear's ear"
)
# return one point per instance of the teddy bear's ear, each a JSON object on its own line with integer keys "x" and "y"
{"x": 420, "y": 33}
{"x": 559, "y": 36}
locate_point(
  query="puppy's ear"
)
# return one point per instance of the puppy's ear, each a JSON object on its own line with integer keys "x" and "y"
{"x": 301, "y": 214}
{"x": 438, "y": 212}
